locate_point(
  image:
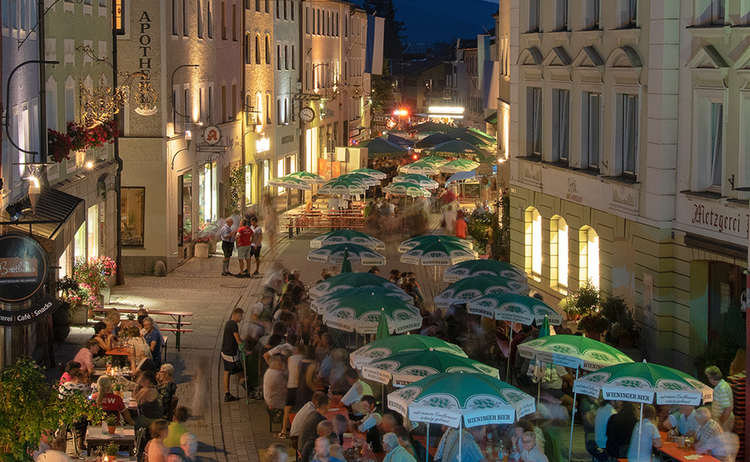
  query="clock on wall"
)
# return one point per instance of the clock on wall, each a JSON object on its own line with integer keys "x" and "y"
{"x": 307, "y": 114}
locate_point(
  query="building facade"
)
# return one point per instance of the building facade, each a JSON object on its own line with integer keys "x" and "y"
{"x": 183, "y": 153}
{"x": 612, "y": 114}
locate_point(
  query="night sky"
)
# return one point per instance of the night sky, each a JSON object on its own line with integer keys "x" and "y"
{"x": 428, "y": 21}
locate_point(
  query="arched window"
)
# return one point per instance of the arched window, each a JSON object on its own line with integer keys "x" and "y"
{"x": 533, "y": 241}
{"x": 268, "y": 49}
{"x": 558, "y": 252}
{"x": 257, "y": 49}
{"x": 589, "y": 256}
{"x": 259, "y": 108}
{"x": 248, "y": 53}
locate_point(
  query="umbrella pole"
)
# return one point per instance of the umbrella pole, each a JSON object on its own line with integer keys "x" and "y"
{"x": 382, "y": 398}
{"x": 460, "y": 438}
{"x": 510, "y": 349}
{"x": 427, "y": 441}
{"x": 640, "y": 429}
{"x": 572, "y": 419}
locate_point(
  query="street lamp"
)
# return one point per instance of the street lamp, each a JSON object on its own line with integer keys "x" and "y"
{"x": 174, "y": 96}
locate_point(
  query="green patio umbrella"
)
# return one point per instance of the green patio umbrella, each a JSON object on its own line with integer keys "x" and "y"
{"x": 434, "y": 160}
{"x": 381, "y": 146}
{"x": 321, "y": 304}
{"x": 470, "y": 288}
{"x": 486, "y": 267}
{"x": 343, "y": 186}
{"x": 346, "y": 236}
{"x": 459, "y": 165}
{"x": 362, "y": 177}
{"x": 432, "y": 140}
{"x": 382, "y": 328}
{"x": 441, "y": 252}
{"x": 513, "y": 307}
{"x": 346, "y": 265}
{"x": 470, "y": 136}
{"x": 307, "y": 177}
{"x": 377, "y": 174}
{"x": 411, "y": 366}
{"x": 415, "y": 178}
{"x": 643, "y": 383}
{"x": 431, "y": 127}
{"x": 406, "y": 189}
{"x": 335, "y": 254}
{"x": 455, "y": 147}
{"x": 399, "y": 344}
{"x": 420, "y": 167}
{"x": 360, "y": 311}
{"x": 481, "y": 134}
{"x": 290, "y": 182}
{"x": 350, "y": 280}
{"x": 425, "y": 239}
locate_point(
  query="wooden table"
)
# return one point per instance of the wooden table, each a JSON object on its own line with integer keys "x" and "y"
{"x": 123, "y": 436}
{"x": 671, "y": 449}
{"x": 119, "y": 351}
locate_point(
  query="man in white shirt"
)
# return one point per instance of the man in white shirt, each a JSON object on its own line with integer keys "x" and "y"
{"x": 683, "y": 421}
{"x": 600, "y": 424}
{"x": 722, "y": 406}
{"x": 357, "y": 389}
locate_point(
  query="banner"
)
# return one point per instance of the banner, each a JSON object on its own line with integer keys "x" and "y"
{"x": 45, "y": 305}
{"x": 374, "y": 56}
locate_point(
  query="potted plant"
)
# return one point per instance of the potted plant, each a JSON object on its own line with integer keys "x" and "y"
{"x": 77, "y": 297}
{"x": 593, "y": 325}
{"x": 110, "y": 452}
{"x": 581, "y": 302}
{"x": 112, "y": 422}
{"x": 623, "y": 331}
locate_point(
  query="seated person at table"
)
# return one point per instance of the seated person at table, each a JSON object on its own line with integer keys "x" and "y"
{"x": 153, "y": 339}
{"x": 619, "y": 429}
{"x": 323, "y": 430}
{"x": 530, "y": 452}
{"x": 357, "y": 388}
{"x": 310, "y": 424}
{"x": 723, "y": 446}
{"x": 110, "y": 402}
{"x": 147, "y": 397}
{"x": 301, "y": 416}
{"x": 683, "y": 421}
{"x": 394, "y": 452}
{"x": 167, "y": 389}
{"x": 649, "y": 436}
{"x": 274, "y": 384}
{"x": 322, "y": 450}
{"x": 85, "y": 356}
{"x": 56, "y": 451}
{"x": 415, "y": 448}
{"x": 177, "y": 427}
{"x": 78, "y": 383}
{"x": 370, "y": 422}
{"x": 69, "y": 366}
{"x": 139, "y": 349}
{"x": 447, "y": 450}
{"x": 155, "y": 449}
{"x": 104, "y": 338}
{"x": 707, "y": 426}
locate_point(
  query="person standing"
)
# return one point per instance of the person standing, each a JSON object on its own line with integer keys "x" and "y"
{"x": 255, "y": 244}
{"x": 722, "y": 406}
{"x": 244, "y": 250}
{"x": 227, "y": 244}
{"x": 460, "y": 226}
{"x": 230, "y": 351}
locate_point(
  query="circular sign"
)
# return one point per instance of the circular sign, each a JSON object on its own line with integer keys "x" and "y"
{"x": 307, "y": 114}
{"x": 23, "y": 268}
{"x": 212, "y": 135}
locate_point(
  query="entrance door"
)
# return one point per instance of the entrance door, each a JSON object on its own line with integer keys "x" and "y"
{"x": 725, "y": 286}
{"x": 184, "y": 209}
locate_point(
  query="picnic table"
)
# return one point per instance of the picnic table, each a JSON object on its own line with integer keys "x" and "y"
{"x": 123, "y": 436}
{"x": 671, "y": 449}
{"x": 177, "y": 320}
{"x": 326, "y": 219}
{"x": 119, "y": 351}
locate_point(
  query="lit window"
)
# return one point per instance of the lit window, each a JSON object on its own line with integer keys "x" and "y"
{"x": 558, "y": 251}
{"x": 533, "y": 241}
{"x": 92, "y": 223}
{"x": 588, "y": 256}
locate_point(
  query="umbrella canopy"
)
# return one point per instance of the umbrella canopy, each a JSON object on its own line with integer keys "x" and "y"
{"x": 461, "y": 176}
{"x": 513, "y": 308}
{"x": 400, "y": 141}
{"x": 450, "y": 398}
{"x": 471, "y": 137}
{"x": 356, "y": 253}
{"x": 434, "y": 160}
{"x": 343, "y": 186}
{"x": 420, "y": 167}
{"x": 377, "y": 174}
{"x": 431, "y": 127}
{"x": 290, "y": 182}
{"x": 381, "y": 146}
{"x": 411, "y": 366}
{"x": 455, "y": 147}
{"x": 413, "y": 242}
{"x": 406, "y": 189}
{"x": 459, "y": 165}
{"x": 364, "y": 178}
{"x": 483, "y": 267}
{"x": 382, "y": 331}
{"x": 470, "y": 288}
{"x": 349, "y": 281}
{"x": 360, "y": 310}
{"x": 481, "y": 134}
{"x": 346, "y": 265}
{"x": 346, "y": 236}
{"x": 322, "y": 304}
{"x": 642, "y": 382}
{"x": 573, "y": 351}
{"x": 415, "y": 178}
{"x": 441, "y": 252}
{"x": 432, "y": 140}
{"x": 399, "y": 344}
{"x": 308, "y": 177}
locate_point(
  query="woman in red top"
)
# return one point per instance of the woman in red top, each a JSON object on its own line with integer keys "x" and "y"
{"x": 460, "y": 225}
{"x": 110, "y": 402}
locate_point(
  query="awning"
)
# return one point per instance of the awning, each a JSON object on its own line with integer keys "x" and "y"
{"x": 715, "y": 246}
{"x": 492, "y": 118}
{"x": 55, "y": 212}
{"x": 462, "y": 176}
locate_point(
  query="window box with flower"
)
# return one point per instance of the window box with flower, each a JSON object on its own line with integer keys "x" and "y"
{"x": 79, "y": 138}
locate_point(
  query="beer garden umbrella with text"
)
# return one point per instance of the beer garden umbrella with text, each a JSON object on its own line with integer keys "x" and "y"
{"x": 377, "y": 174}
{"x": 420, "y": 167}
{"x": 346, "y": 236}
{"x": 307, "y": 177}
{"x": 348, "y": 281}
{"x": 321, "y": 304}
{"x": 379, "y": 349}
{"x": 459, "y": 165}
{"x": 468, "y": 289}
{"x": 290, "y": 182}
{"x": 410, "y": 243}
{"x": 406, "y": 189}
{"x": 343, "y": 186}
{"x": 415, "y": 178}
{"x": 356, "y": 253}
{"x": 459, "y": 400}
{"x": 483, "y": 267}
{"x": 360, "y": 310}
